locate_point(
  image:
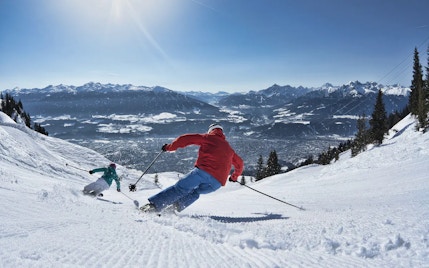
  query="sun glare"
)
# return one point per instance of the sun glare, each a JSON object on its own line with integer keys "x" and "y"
{"x": 116, "y": 10}
{"x": 115, "y": 18}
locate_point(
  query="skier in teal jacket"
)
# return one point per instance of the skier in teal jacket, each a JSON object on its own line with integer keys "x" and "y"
{"x": 104, "y": 182}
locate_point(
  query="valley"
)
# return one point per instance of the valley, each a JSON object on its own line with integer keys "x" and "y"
{"x": 129, "y": 124}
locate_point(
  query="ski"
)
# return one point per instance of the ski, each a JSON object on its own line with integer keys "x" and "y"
{"x": 147, "y": 210}
{"x": 92, "y": 194}
{"x": 99, "y": 197}
{"x": 109, "y": 201}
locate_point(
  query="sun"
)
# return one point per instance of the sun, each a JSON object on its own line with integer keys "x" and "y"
{"x": 117, "y": 18}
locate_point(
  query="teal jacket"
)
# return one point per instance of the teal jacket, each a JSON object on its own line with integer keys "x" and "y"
{"x": 109, "y": 175}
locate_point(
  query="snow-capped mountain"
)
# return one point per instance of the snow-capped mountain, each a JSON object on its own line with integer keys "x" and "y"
{"x": 211, "y": 98}
{"x": 121, "y": 109}
{"x": 320, "y": 110}
{"x": 276, "y": 94}
{"x": 368, "y": 211}
{"x": 88, "y": 87}
{"x": 138, "y": 118}
{"x": 334, "y": 110}
{"x": 280, "y": 111}
{"x": 356, "y": 88}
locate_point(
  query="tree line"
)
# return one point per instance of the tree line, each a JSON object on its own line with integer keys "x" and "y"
{"x": 370, "y": 131}
{"x": 15, "y": 110}
{"x": 418, "y": 106}
{"x": 271, "y": 168}
{"x": 379, "y": 124}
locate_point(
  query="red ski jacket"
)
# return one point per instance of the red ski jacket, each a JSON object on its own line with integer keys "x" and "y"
{"x": 215, "y": 155}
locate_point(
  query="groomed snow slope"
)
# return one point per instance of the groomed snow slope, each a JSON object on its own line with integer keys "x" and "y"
{"x": 367, "y": 211}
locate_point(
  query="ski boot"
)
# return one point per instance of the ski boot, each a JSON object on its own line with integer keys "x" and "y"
{"x": 148, "y": 208}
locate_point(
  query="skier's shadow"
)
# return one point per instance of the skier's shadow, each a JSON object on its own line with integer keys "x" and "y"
{"x": 399, "y": 133}
{"x": 227, "y": 219}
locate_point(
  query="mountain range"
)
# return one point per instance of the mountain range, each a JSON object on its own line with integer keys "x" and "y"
{"x": 141, "y": 119}
{"x": 274, "y": 112}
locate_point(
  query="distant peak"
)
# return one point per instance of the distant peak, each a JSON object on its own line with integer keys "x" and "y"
{"x": 327, "y": 85}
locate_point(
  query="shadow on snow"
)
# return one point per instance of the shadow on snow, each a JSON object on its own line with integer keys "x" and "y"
{"x": 227, "y": 219}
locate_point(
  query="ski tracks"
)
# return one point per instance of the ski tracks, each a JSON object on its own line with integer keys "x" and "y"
{"x": 53, "y": 228}
{"x": 58, "y": 227}
{"x": 191, "y": 242}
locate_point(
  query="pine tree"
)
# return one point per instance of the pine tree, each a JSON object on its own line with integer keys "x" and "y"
{"x": 424, "y": 100}
{"x": 8, "y": 105}
{"x": 426, "y": 82}
{"x": 260, "y": 170}
{"x": 15, "y": 110}
{"x": 422, "y": 111}
{"x": 422, "y": 108}
{"x": 27, "y": 120}
{"x": 243, "y": 180}
{"x": 416, "y": 84}
{"x": 273, "y": 166}
{"x": 308, "y": 161}
{"x": 378, "y": 121}
{"x": 323, "y": 159}
{"x": 361, "y": 138}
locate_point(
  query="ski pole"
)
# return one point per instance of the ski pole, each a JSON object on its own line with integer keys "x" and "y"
{"x": 132, "y": 187}
{"x": 300, "y": 208}
{"x": 76, "y": 167}
{"x": 135, "y": 201}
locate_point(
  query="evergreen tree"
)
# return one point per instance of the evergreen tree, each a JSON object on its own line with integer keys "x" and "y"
{"x": 422, "y": 109}
{"x": 378, "y": 121}
{"x": 420, "y": 86}
{"x": 260, "y": 170}
{"x": 308, "y": 161}
{"x": 243, "y": 180}
{"x": 323, "y": 158}
{"x": 426, "y": 82}
{"x": 40, "y": 129}
{"x": 15, "y": 110}
{"x": 273, "y": 166}
{"x": 27, "y": 120}
{"x": 361, "y": 138}
{"x": 9, "y": 105}
{"x": 416, "y": 84}
{"x": 20, "y": 107}
{"x": 424, "y": 99}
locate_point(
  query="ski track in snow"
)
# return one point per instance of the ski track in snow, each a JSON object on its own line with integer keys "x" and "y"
{"x": 360, "y": 212}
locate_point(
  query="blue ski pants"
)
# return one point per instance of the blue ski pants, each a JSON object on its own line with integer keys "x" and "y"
{"x": 186, "y": 191}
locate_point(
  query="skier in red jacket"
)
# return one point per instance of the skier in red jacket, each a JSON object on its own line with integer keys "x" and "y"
{"x": 213, "y": 165}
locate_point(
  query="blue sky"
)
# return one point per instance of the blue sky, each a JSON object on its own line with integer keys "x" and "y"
{"x": 210, "y": 45}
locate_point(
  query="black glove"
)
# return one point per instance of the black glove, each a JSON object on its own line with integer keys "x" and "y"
{"x": 164, "y": 147}
{"x": 90, "y": 172}
{"x": 118, "y": 190}
{"x": 132, "y": 187}
{"x": 233, "y": 178}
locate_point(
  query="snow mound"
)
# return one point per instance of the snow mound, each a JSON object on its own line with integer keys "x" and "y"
{"x": 5, "y": 119}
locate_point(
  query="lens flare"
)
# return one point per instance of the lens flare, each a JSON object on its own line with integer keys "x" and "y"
{"x": 117, "y": 18}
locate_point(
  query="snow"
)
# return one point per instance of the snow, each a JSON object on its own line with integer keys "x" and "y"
{"x": 368, "y": 211}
